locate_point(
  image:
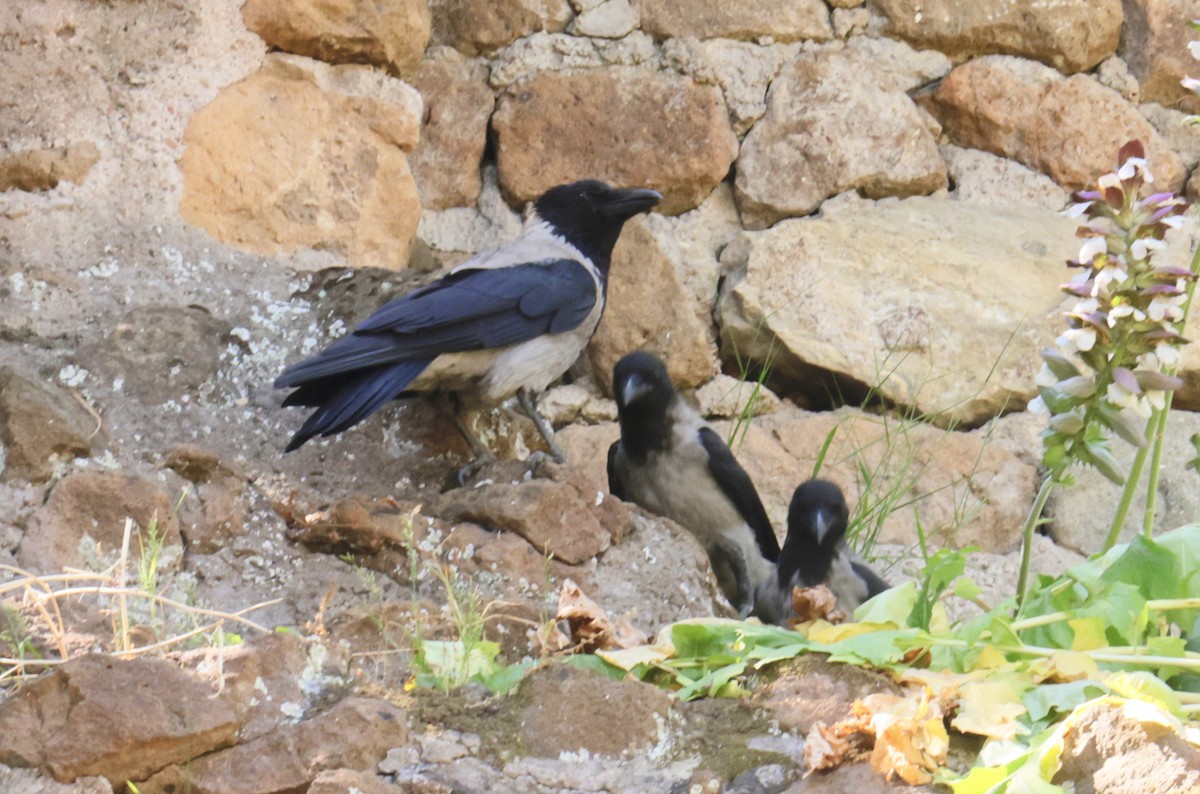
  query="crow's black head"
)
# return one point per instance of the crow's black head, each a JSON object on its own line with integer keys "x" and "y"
{"x": 644, "y": 394}
{"x": 817, "y": 521}
{"x": 590, "y": 214}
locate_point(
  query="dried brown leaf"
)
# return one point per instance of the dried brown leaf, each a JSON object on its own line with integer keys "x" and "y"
{"x": 815, "y": 603}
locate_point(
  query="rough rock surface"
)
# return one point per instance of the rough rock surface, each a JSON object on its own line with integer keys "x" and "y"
{"x": 481, "y": 26}
{"x": 623, "y": 717}
{"x": 40, "y": 422}
{"x": 715, "y": 19}
{"x": 1030, "y": 113}
{"x": 825, "y": 291}
{"x": 1154, "y": 42}
{"x": 843, "y": 130}
{"x": 390, "y": 34}
{"x": 980, "y": 177}
{"x": 1070, "y": 35}
{"x": 113, "y": 718}
{"x": 303, "y": 155}
{"x": 1111, "y": 752}
{"x": 458, "y": 104}
{"x": 43, "y": 169}
{"x": 620, "y": 110}
{"x": 649, "y": 309}
{"x": 160, "y": 355}
{"x": 95, "y": 505}
{"x": 551, "y": 516}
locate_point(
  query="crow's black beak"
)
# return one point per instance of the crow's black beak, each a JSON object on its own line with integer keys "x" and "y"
{"x": 633, "y": 389}
{"x": 627, "y": 203}
{"x": 822, "y": 521}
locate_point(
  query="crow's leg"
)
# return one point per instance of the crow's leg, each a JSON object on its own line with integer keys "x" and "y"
{"x": 483, "y": 455}
{"x": 525, "y": 399}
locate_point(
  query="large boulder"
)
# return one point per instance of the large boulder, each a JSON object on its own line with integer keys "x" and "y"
{"x": 477, "y": 27}
{"x": 301, "y": 155}
{"x": 1155, "y": 43}
{"x": 1070, "y": 35}
{"x": 747, "y": 20}
{"x": 625, "y": 126}
{"x": 391, "y": 34}
{"x": 1069, "y": 128}
{"x": 40, "y": 422}
{"x": 877, "y": 298}
{"x": 831, "y": 126}
{"x": 458, "y": 104}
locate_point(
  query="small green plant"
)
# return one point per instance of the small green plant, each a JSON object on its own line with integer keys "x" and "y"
{"x": 1116, "y": 360}
{"x": 468, "y": 658}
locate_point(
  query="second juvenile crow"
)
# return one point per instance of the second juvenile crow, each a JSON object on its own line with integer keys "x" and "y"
{"x": 671, "y": 462}
{"x": 509, "y": 321}
{"x": 815, "y": 552}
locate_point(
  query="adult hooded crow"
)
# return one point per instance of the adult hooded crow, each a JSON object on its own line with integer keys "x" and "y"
{"x": 815, "y": 552}
{"x": 508, "y": 321}
{"x": 671, "y": 462}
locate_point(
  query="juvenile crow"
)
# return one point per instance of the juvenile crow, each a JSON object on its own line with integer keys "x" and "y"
{"x": 671, "y": 462}
{"x": 508, "y": 321}
{"x": 815, "y": 552}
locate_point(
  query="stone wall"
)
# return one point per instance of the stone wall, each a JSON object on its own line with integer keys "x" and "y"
{"x": 864, "y": 193}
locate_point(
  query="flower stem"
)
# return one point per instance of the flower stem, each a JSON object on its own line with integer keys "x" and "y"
{"x": 1131, "y": 484}
{"x": 1031, "y": 523}
{"x": 1159, "y": 420}
{"x": 1159, "y": 424}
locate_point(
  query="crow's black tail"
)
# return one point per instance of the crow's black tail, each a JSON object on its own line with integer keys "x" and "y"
{"x": 346, "y": 399}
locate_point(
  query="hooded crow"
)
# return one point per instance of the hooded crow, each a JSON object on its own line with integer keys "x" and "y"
{"x": 815, "y": 552}
{"x": 511, "y": 320}
{"x": 671, "y": 462}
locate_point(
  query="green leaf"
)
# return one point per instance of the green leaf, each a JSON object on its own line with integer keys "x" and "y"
{"x": 505, "y": 677}
{"x": 1147, "y": 566}
{"x": 588, "y": 661}
{"x": 966, "y": 588}
{"x": 1143, "y": 685}
{"x": 1042, "y": 701}
{"x": 893, "y": 605}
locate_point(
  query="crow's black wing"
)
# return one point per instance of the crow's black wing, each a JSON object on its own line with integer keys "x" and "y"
{"x": 736, "y": 484}
{"x": 875, "y": 583}
{"x": 472, "y": 309}
{"x": 614, "y": 477}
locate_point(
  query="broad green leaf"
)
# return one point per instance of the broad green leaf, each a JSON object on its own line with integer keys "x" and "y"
{"x": 966, "y": 588}
{"x": 991, "y": 707}
{"x": 704, "y": 638}
{"x": 1043, "y": 700}
{"x": 629, "y": 658}
{"x": 506, "y": 677}
{"x": 1143, "y": 685}
{"x": 589, "y": 661}
{"x": 1089, "y": 634}
{"x": 879, "y": 648}
{"x": 893, "y": 606}
{"x": 1147, "y": 566}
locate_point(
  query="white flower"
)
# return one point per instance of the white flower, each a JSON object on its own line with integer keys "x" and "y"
{"x": 1106, "y": 276}
{"x": 1077, "y": 210}
{"x": 1191, "y": 83}
{"x": 1163, "y": 307}
{"x": 1045, "y": 377}
{"x": 1124, "y": 310}
{"x": 1077, "y": 339}
{"x": 1132, "y": 166}
{"x": 1037, "y": 406}
{"x": 1086, "y": 306}
{"x": 1156, "y": 399}
{"x": 1172, "y": 221}
{"x": 1144, "y": 246}
{"x": 1091, "y": 249}
{"x": 1108, "y": 180}
{"x": 1121, "y": 397}
{"x": 1194, "y": 48}
{"x": 1164, "y": 356}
